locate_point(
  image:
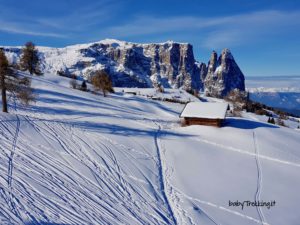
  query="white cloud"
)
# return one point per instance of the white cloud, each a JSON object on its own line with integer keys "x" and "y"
{"x": 253, "y": 27}
{"x": 92, "y": 21}
{"x": 74, "y": 21}
{"x": 82, "y": 18}
{"x": 17, "y": 29}
{"x": 213, "y": 32}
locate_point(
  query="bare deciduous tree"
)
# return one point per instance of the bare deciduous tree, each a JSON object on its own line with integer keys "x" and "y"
{"x": 102, "y": 82}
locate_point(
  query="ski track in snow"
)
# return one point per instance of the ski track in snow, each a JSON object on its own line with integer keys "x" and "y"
{"x": 259, "y": 180}
{"x": 176, "y": 197}
{"x": 245, "y": 152}
{"x": 50, "y": 132}
{"x": 11, "y": 198}
{"x": 103, "y": 163}
{"x": 236, "y": 213}
{"x": 161, "y": 173}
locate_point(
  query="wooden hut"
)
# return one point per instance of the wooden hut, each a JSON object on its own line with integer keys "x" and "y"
{"x": 204, "y": 113}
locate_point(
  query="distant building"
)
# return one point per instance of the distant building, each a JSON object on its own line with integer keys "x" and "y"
{"x": 129, "y": 92}
{"x": 204, "y": 113}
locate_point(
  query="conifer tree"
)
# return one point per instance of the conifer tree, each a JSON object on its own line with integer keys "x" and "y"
{"x": 30, "y": 60}
{"x": 83, "y": 86}
{"x": 10, "y": 83}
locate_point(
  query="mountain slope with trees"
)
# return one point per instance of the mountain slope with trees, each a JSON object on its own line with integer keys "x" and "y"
{"x": 169, "y": 64}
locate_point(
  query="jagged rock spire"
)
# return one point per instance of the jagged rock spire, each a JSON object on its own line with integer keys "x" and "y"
{"x": 223, "y": 75}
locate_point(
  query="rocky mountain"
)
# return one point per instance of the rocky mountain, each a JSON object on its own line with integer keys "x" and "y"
{"x": 168, "y": 64}
{"x": 223, "y": 75}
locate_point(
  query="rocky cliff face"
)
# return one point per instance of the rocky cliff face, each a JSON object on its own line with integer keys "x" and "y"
{"x": 223, "y": 75}
{"x": 168, "y": 64}
{"x": 142, "y": 65}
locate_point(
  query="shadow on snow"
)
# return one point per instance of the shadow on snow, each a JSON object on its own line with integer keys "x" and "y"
{"x": 246, "y": 124}
{"x": 107, "y": 128}
{"x": 44, "y": 223}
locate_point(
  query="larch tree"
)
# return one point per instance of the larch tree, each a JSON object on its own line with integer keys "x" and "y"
{"x": 30, "y": 60}
{"x": 102, "y": 82}
{"x": 4, "y": 71}
{"x": 12, "y": 84}
{"x": 272, "y": 120}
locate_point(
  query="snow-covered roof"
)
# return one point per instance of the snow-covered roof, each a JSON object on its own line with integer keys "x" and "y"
{"x": 209, "y": 110}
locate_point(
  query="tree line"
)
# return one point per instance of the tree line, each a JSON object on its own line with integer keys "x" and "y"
{"x": 100, "y": 80}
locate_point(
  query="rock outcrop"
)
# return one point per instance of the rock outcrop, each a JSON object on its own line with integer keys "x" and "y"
{"x": 223, "y": 75}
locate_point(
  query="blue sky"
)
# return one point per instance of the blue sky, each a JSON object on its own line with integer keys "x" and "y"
{"x": 263, "y": 35}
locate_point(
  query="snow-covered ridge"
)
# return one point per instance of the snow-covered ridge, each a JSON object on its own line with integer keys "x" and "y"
{"x": 169, "y": 64}
{"x": 130, "y": 64}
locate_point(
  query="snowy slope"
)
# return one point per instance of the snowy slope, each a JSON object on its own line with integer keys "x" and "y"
{"x": 243, "y": 161}
{"x": 178, "y": 95}
{"x": 77, "y": 158}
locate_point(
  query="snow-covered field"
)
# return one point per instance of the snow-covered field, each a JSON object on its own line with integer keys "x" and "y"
{"x": 280, "y": 92}
{"x": 78, "y": 158}
{"x": 151, "y": 93}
